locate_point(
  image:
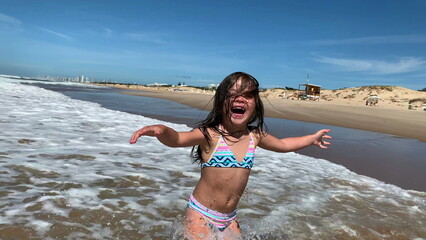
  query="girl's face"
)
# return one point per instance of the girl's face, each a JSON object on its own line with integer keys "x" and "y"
{"x": 239, "y": 105}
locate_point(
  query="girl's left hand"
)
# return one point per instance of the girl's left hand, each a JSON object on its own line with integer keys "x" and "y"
{"x": 319, "y": 138}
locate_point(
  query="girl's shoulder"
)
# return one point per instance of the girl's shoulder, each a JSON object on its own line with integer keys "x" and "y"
{"x": 209, "y": 132}
{"x": 257, "y": 132}
{"x": 211, "y": 137}
{"x": 213, "y": 132}
{"x": 254, "y": 130}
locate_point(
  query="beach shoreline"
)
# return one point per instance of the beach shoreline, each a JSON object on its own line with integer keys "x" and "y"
{"x": 395, "y": 121}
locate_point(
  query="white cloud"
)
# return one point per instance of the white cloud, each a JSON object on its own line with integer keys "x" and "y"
{"x": 8, "y": 23}
{"x": 403, "y": 65}
{"x": 372, "y": 40}
{"x": 61, "y": 35}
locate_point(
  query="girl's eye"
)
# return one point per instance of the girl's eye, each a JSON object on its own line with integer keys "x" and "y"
{"x": 248, "y": 95}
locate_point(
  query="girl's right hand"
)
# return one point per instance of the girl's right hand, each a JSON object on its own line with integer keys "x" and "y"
{"x": 319, "y": 138}
{"x": 152, "y": 131}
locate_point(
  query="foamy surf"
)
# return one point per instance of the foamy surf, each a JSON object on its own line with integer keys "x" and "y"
{"x": 68, "y": 172}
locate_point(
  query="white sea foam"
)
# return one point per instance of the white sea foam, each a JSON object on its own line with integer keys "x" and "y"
{"x": 59, "y": 155}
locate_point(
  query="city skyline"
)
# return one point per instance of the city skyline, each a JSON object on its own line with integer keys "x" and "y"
{"x": 338, "y": 43}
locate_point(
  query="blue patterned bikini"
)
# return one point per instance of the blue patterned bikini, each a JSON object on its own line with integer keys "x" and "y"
{"x": 223, "y": 157}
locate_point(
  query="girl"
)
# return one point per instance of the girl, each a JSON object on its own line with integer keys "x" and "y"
{"x": 224, "y": 144}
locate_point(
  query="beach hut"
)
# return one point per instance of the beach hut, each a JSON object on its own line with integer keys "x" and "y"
{"x": 309, "y": 92}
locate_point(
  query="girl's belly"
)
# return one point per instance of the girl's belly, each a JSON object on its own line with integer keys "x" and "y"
{"x": 220, "y": 189}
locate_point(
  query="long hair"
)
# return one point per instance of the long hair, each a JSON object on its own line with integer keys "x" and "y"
{"x": 221, "y": 103}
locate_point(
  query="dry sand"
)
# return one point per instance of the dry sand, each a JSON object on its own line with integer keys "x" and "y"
{"x": 345, "y": 107}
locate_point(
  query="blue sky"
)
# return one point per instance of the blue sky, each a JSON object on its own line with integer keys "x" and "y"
{"x": 338, "y": 43}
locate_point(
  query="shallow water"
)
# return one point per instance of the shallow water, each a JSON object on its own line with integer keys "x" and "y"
{"x": 68, "y": 172}
{"x": 388, "y": 158}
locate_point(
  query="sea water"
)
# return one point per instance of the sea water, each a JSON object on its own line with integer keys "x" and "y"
{"x": 391, "y": 159}
{"x": 67, "y": 171}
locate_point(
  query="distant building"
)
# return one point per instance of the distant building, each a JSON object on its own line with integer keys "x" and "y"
{"x": 212, "y": 86}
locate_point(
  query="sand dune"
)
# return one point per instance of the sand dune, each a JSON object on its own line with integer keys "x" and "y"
{"x": 392, "y": 97}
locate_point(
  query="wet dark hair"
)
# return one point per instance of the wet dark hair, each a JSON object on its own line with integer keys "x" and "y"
{"x": 223, "y": 97}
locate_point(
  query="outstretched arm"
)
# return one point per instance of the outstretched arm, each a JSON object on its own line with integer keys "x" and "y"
{"x": 291, "y": 144}
{"x": 169, "y": 136}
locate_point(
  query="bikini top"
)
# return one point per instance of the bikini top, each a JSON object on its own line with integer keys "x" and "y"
{"x": 222, "y": 156}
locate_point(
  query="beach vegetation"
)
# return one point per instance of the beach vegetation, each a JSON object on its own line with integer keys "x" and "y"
{"x": 378, "y": 88}
{"x": 343, "y": 88}
{"x": 284, "y": 88}
{"x": 350, "y": 96}
{"x": 421, "y": 100}
{"x": 423, "y": 90}
{"x": 205, "y": 88}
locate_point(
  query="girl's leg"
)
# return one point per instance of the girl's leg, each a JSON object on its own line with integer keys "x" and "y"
{"x": 233, "y": 231}
{"x": 195, "y": 226}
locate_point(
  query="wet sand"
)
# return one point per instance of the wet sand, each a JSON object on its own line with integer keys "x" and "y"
{"x": 399, "y": 122}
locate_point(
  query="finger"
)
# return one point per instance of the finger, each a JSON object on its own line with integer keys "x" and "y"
{"x": 135, "y": 137}
{"x": 327, "y": 137}
{"x": 322, "y": 146}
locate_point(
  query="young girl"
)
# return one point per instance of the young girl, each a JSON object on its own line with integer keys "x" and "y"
{"x": 224, "y": 144}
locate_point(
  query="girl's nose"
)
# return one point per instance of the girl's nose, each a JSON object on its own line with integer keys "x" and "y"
{"x": 240, "y": 98}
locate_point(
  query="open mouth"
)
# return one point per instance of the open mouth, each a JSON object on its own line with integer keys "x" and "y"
{"x": 238, "y": 111}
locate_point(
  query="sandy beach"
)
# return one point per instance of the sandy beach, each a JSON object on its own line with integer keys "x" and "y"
{"x": 391, "y": 115}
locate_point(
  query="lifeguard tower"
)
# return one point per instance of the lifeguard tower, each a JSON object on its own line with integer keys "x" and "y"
{"x": 309, "y": 92}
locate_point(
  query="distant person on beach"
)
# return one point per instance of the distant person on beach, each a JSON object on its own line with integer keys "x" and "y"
{"x": 224, "y": 144}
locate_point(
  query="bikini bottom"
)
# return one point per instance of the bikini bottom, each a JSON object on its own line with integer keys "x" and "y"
{"x": 216, "y": 219}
